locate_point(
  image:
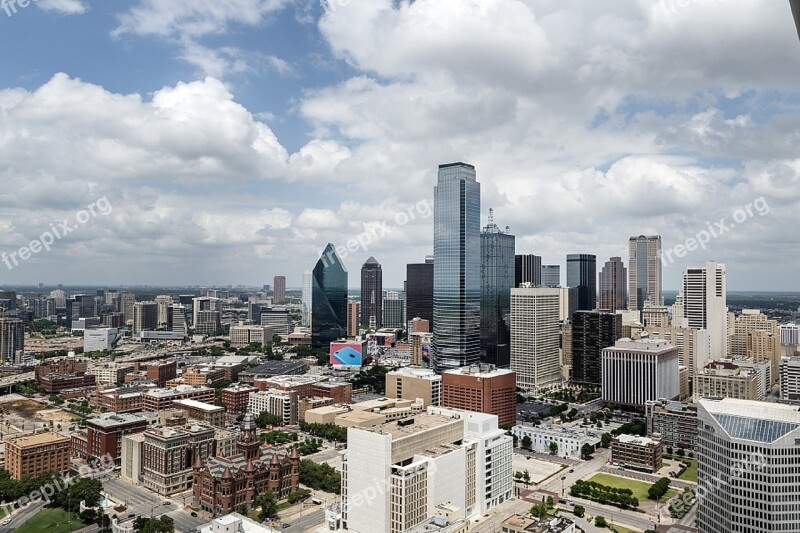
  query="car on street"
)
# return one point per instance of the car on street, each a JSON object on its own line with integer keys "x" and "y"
{"x": 6, "y": 521}
{"x": 194, "y": 515}
{"x": 167, "y": 503}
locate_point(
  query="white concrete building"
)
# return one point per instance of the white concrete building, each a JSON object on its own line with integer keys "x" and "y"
{"x": 569, "y": 440}
{"x": 790, "y": 379}
{"x": 396, "y": 474}
{"x": 281, "y": 403}
{"x": 535, "y": 336}
{"x": 703, "y": 297}
{"x": 635, "y": 372}
{"x": 748, "y": 466}
{"x": 99, "y": 340}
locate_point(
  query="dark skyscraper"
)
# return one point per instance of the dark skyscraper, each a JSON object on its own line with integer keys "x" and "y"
{"x": 582, "y": 282}
{"x": 328, "y": 299}
{"x": 419, "y": 290}
{"x": 591, "y": 332}
{"x": 279, "y": 289}
{"x": 645, "y": 271}
{"x": 371, "y": 294}
{"x": 456, "y": 268}
{"x": 528, "y": 269}
{"x": 497, "y": 280}
{"x": 613, "y": 285}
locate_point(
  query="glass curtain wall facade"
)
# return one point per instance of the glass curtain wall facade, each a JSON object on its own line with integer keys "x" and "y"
{"x": 419, "y": 291}
{"x": 457, "y": 268}
{"x": 328, "y": 299}
{"x": 582, "y": 282}
{"x": 645, "y": 271}
{"x": 497, "y": 280}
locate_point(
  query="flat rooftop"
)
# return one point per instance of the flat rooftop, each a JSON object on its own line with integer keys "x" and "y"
{"x": 109, "y": 420}
{"x": 194, "y": 404}
{"x": 37, "y": 440}
{"x": 422, "y": 422}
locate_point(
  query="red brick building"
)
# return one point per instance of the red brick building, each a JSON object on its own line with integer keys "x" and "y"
{"x": 104, "y": 434}
{"x": 59, "y": 382}
{"x": 483, "y": 389}
{"x": 162, "y": 371}
{"x": 224, "y": 483}
{"x": 236, "y": 397}
{"x": 339, "y": 392}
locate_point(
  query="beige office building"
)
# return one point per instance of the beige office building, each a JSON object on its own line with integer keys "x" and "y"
{"x": 536, "y": 336}
{"x": 721, "y": 379}
{"x": 412, "y": 383}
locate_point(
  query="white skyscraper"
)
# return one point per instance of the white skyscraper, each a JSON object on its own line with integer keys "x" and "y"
{"x": 640, "y": 371}
{"x": 747, "y": 466}
{"x": 703, "y": 296}
{"x": 535, "y": 333}
{"x": 307, "y": 283}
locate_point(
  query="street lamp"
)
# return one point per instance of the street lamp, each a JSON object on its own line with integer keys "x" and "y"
{"x": 562, "y": 486}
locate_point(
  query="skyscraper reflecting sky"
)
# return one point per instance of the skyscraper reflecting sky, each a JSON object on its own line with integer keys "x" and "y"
{"x": 497, "y": 280}
{"x": 457, "y": 267}
{"x": 328, "y": 299}
{"x": 582, "y": 282}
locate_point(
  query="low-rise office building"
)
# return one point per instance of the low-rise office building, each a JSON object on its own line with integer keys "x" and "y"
{"x": 676, "y": 422}
{"x": 412, "y": 383}
{"x": 204, "y": 413}
{"x": 159, "y": 399}
{"x": 721, "y": 379}
{"x": 641, "y": 453}
{"x": 281, "y": 403}
{"x": 169, "y": 453}
{"x": 236, "y": 397}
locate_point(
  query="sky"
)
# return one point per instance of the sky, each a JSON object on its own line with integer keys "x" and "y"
{"x": 184, "y": 142}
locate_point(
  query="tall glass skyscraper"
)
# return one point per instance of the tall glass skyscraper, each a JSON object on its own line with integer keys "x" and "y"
{"x": 328, "y": 299}
{"x": 582, "y": 282}
{"x": 497, "y": 280}
{"x": 645, "y": 271}
{"x": 371, "y": 294}
{"x": 419, "y": 290}
{"x": 456, "y": 268}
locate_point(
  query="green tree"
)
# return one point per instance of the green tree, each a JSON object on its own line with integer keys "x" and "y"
{"x": 538, "y": 511}
{"x": 526, "y": 477}
{"x": 550, "y": 502}
{"x": 600, "y": 521}
{"x": 553, "y": 448}
{"x": 268, "y": 419}
{"x": 586, "y": 451}
{"x": 579, "y": 511}
{"x": 526, "y": 442}
{"x": 518, "y": 475}
{"x": 680, "y": 452}
{"x": 164, "y": 524}
{"x": 268, "y": 504}
{"x": 606, "y": 439}
{"x": 658, "y": 489}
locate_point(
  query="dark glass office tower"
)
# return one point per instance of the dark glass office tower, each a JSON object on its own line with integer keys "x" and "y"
{"x": 528, "y": 269}
{"x": 419, "y": 290}
{"x": 371, "y": 294}
{"x": 497, "y": 280}
{"x": 328, "y": 299}
{"x": 591, "y": 332}
{"x": 456, "y": 268}
{"x": 582, "y": 282}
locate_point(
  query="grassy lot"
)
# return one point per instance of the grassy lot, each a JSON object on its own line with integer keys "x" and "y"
{"x": 691, "y": 473}
{"x": 639, "y": 488}
{"x": 50, "y": 520}
{"x": 622, "y": 529}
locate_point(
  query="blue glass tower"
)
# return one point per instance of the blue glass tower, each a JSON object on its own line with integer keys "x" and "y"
{"x": 456, "y": 268}
{"x": 328, "y": 299}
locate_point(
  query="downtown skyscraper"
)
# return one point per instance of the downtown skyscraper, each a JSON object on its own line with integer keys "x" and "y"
{"x": 702, "y": 304}
{"x": 328, "y": 299}
{"x": 528, "y": 269}
{"x": 497, "y": 280}
{"x": 613, "y": 284}
{"x": 371, "y": 294}
{"x": 582, "y": 282}
{"x": 456, "y": 268}
{"x": 644, "y": 277}
{"x": 419, "y": 290}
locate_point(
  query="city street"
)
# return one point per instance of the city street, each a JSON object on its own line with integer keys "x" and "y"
{"x": 142, "y": 502}
{"x": 20, "y": 517}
